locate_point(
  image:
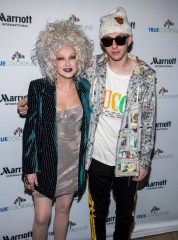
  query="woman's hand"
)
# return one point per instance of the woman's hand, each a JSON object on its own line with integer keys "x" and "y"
{"x": 30, "y": 181}
{"x": 22, "y": 106}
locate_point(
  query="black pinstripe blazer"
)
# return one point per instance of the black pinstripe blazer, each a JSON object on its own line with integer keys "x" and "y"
{"x": 40, "y": 135}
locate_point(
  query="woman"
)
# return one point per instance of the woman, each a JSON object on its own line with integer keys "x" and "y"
{"x": 56, "y": 128}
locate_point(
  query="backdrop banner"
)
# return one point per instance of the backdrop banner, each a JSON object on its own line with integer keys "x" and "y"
{"x": 155, "y": 38}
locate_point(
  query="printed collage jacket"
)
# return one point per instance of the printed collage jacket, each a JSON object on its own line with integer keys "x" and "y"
{"x": 136, "y": 136}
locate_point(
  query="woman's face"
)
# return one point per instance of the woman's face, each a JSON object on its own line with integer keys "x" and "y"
{"x": 66, "y": 63}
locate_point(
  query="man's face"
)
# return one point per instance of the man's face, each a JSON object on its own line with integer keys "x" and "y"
{"x": 116, "y": 52}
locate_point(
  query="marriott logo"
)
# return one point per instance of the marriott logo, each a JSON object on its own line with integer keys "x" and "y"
{"x": 19, "y": 236}
{"x": 155, "y": 185}
{"x": 18, "y": 21}
{"x": 163, "y": 125}
{"x": 164, "y": 62}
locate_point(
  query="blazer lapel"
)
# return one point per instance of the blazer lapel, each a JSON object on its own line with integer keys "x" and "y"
{"x": 49, "y": 90}
{"x": 48, "y": 104}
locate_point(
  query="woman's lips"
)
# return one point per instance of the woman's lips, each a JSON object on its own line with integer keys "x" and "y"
{"x": 67, "y": 69}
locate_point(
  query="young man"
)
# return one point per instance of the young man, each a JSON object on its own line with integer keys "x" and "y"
{"x": 122, "y": 127}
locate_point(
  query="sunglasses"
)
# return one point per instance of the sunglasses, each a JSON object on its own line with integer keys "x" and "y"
{"x": 120, "y": 40}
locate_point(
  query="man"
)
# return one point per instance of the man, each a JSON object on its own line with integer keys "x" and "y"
{"x": 122, "y": 126}
{"x": 121, "y": 136}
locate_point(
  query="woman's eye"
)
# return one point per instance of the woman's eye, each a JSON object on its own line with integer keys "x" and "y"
{"x": 60, "y": 58}
{"x": 73, "y": 57}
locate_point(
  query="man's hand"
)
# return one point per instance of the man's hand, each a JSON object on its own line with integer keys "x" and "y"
{"x": 22, "y": 107}
{"x": 141, "y": 175}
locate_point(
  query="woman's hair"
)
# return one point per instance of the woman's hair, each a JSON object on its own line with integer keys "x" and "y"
{"x": 53, "y": 38}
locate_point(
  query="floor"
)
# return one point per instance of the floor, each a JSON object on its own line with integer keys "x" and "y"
{"x": 165, "y": 236}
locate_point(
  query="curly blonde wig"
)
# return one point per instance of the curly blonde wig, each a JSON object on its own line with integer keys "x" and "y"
{"x": 49, "y": 42}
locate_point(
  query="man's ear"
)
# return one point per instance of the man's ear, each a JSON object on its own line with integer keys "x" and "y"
{"x": 130, "y": 39}
{"x": 102, "y": 47}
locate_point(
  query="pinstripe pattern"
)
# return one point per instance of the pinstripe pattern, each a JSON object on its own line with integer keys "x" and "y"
{"x": 40, "y": 135}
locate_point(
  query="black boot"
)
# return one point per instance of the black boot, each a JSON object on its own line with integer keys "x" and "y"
{"x": 123, "y": 232}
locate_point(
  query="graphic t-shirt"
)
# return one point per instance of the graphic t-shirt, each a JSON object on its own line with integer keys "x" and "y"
{"x": 110, "y": 118}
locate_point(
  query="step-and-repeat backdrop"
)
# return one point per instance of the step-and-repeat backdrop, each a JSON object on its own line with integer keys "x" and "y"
{"x": 155, "y": 32}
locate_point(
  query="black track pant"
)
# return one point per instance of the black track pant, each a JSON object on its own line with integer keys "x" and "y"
{"x": 101, "y": 180}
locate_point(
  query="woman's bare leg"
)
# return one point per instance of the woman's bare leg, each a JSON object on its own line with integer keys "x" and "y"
{"x": 61, "y": 220}
{"x": 43, "y": 206}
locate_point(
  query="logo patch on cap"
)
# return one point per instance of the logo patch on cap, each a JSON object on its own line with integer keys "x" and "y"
{"x": 119, "y": 20}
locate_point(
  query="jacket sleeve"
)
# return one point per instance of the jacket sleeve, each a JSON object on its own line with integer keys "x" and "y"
{"x": 29, "y": 148}
{"x": 91, "y": 76}
{"x": 148, "y": 124}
